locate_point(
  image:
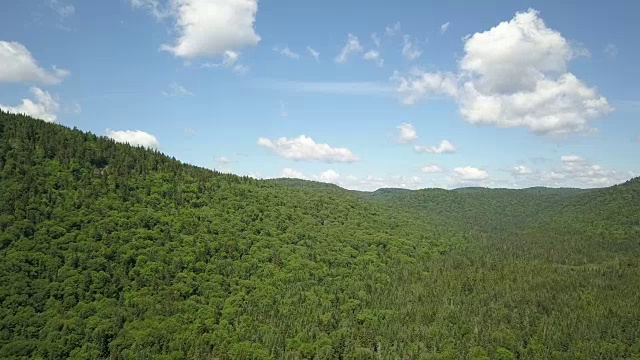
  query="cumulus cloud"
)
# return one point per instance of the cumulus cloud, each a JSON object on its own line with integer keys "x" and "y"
{"x": 571, "y": 158}
{"x": 176, "y": 90}
{"x": 315, "y": 54}
{"x": 431, "y": 169}
{"x": 18, "y": 65}
{"x": 470, "y": 173}
{"x": 445, "y": 147}
{"x": 410, "y": 50}
{"x": 44, "y": 107}
{"x": 206, "y": 28}
{"x": 134, "y": 138}
{"x": 305, "y": 148}
{"x": 573, "y": 170}
{"x": 407, "y": 133}
{"x": 362, "y": 183}
{"x": 286, "y": 52}
{"x": 374, "y": 55}
{"x": 521, "y": 170}
{"x": 351, "y": 47}
{"x": 292, "y": 174}
{"x": 418, "y": 84}
{"x": 371, "y": 182}
{"x": 329, "y": 176}
{"x": 444, "y": 27}
{"x": 563, "y": 105}
{"x": 516, "y": 76}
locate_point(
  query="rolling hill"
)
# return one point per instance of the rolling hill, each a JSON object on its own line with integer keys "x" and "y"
{"x": 113, "y": 251}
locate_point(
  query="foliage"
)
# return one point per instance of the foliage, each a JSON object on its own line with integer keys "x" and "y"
{"x": 113, "y": 251}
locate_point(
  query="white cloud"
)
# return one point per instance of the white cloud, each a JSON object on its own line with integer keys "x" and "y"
{"x": 223, "y": 160}
{"x": 189, "y": 132}
{"x": 431, "y": 169}
{"x": 304, "y": 148}
{"x": 516, "y": 76}
{"x": 177, "y": 90}
{"x": 372, "y": 182}
{"x": 514, "y": 54}
{"x": 407, "y": 133}
{"x": 470, "y": 173}
{"x": 611, "y": 50}
{"x": 287, "y": 52}
{"x": 410, "y": 51}
{"x": 376, "y": 40}
{"x": 557, "y": 106}
{"x": 445, "y": 147}
{"x": 418, "y": 84}
{"x": 18, "y": 65}
{"x": 45, "y": 106}
{"x": 351, "y": 47}
{"x": 444, "y": 27}
{"x": 374, "y": 55}
{"x": 329, "y": 176}
{"x": 207, "y": 28}
{"x": 364, "y": 183}
{"x": 315, "y": 54}
{"x": 392, "y": 30}
{"x": 134, "y": 138}
{"x": 574, "y": 171}
{"x": 521, "y": 170}
{"x": 292, "y": 174}
{"x": 571, "y": 159}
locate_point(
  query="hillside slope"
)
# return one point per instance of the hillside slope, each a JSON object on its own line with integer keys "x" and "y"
{"x": 480, "y": 209}
{"x": 111, "y": 251}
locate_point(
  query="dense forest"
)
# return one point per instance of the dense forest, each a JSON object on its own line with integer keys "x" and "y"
{"x": 109, "y": 251}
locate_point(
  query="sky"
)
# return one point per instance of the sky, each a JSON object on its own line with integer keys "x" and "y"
{"x": 363, "y": 94}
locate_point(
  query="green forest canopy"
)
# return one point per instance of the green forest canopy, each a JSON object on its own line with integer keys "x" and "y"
{"x": 113, "y": 251}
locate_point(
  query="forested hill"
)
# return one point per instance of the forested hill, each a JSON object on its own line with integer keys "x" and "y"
{"x": 108, "y": 251}
{"x": 496, "y": 211}
{"x": 482, "y": 209}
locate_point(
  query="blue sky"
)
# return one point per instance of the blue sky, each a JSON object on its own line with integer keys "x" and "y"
{"x": 508, "y": 94}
